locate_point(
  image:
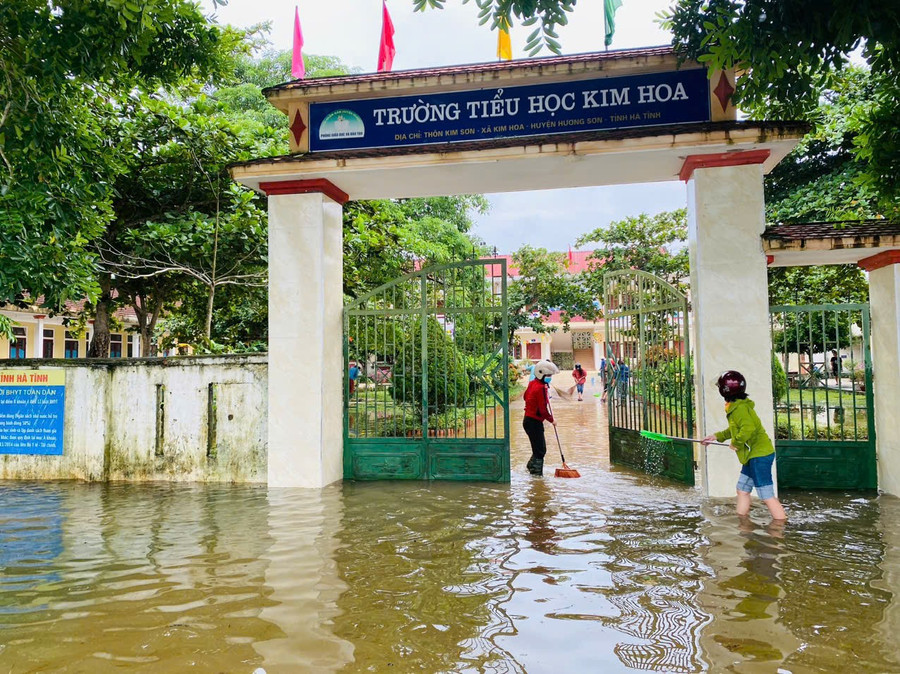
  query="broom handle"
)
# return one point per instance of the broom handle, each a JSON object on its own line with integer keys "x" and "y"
{"x": 558, "y": 443}
{"x": 721, "y": 444}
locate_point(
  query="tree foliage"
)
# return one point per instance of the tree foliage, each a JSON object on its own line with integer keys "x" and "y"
{"x": 791, "y": 52}
{"x": 821, "y": 180}
{"x": 64, "y": 66}
{"x": 834, "y": 284}
{"x": 177, "y": 217}
{"x": 384, "y": 239}
{"x": 544, "y": 285}
{"x": 546, "y": 14}
{"x": 652, "y": 243}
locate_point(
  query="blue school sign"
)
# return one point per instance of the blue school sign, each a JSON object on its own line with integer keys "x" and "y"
{"x": 32, "y": 410}
{"x": 536, "y": 110}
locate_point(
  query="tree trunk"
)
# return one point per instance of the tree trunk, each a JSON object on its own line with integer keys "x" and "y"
{"x": 153, "y": 346}
{"x": 209, "y": 311}
{"x": 100, "y": 342}
{"x": 137, "y": 303}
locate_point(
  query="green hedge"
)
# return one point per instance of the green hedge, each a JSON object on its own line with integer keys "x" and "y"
{"x": 449, "y": 375}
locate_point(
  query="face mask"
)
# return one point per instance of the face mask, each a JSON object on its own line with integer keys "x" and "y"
{"x": 546, "y": 380}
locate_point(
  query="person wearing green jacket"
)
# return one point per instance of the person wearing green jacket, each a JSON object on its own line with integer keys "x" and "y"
{"x": 750, "y": 442}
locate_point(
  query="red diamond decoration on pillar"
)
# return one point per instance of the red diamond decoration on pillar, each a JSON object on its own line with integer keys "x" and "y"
{"x": 298, "y": 127}
{"x": 723, "y": 91}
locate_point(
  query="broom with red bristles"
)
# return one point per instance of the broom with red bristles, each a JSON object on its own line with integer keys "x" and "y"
{"x": 565, "y": 471}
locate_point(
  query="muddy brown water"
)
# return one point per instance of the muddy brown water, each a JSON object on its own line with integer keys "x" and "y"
{"x": 612, "y": 572}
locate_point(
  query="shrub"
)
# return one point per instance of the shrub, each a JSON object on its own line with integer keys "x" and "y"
{"x": 448, "y": 372}
{"x": 514, "y": 374}
{"x": 665, "y": 382}
{"x": 858, "y": 374}
{"x": 779, "y": 379}
{"x": 564, "y": 360}
{"x": 786, "y": 430}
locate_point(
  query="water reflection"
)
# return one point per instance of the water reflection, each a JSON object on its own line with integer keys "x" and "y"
{"x": 613, "y": 572}
{"x": 303, "y": 582}
{"x": 657, "y": 578}
{"x": 424, "y": 567}
{"x": 146, "y": 576}
{"x": 31, "y": 520}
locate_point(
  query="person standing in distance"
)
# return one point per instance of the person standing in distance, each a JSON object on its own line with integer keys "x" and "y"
{"x": 580, "y": 376}
{"x": 537, "y": 411}
{"x": 750, "y": 442}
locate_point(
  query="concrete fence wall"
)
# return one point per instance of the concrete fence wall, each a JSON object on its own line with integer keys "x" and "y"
{"x": 190, "y": 419}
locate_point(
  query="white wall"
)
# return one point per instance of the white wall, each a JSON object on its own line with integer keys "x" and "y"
{"x": 111, "y": 427}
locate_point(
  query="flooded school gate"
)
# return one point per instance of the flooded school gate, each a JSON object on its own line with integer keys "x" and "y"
{"x": 585, "y": 120}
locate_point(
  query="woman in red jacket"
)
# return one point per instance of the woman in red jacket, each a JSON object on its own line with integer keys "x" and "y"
{"x": 537, "y": 410}
{"x": 580, "y": 376}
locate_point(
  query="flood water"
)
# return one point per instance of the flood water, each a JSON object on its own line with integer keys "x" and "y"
{"x": 611, "y": 572}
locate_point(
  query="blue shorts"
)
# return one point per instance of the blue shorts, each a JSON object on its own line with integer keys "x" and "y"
{"x": 757, "y": 472}
{"x": 580, "y": 387}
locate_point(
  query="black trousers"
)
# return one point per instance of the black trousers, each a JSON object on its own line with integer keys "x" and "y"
{"x": 535, "y": 431}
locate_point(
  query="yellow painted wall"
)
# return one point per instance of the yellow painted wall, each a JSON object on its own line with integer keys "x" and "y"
{"x": 59, "y": 340}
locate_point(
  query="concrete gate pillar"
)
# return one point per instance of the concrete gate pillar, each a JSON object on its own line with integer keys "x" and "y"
{"x": 305, "y": 441}
{"x": 729, "y": 296}
{"x": 884, "y": 303}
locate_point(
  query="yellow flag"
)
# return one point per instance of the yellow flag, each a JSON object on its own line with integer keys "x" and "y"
{"x": 504, "y": 46}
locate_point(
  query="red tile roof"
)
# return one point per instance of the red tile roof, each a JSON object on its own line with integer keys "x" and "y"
{"x": 122, "y": 313}
{"x": 125, "y": 313}
{"x": 831, "y": 230}
{"x": 577, "y": 263}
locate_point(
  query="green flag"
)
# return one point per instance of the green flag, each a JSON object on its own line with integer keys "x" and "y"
{"x": 609, "y": 18}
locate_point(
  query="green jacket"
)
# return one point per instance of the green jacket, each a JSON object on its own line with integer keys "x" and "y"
{"x": 746, "y": 431}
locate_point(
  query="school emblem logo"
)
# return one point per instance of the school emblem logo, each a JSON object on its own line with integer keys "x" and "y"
{"x": 341, "y": 124}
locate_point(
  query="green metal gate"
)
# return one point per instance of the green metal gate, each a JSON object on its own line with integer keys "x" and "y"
{"x": 648, "y": 382}
{"x": 822, "y": 386}
{"x": 432, "y": 397}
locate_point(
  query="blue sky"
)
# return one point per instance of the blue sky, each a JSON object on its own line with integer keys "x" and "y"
{"x": 349, "y": 29}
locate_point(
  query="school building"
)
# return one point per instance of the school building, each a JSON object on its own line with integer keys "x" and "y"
{"x": 40, "y": 335}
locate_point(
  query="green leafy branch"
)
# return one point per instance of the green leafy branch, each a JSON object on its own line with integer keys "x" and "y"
{"x": 548, "y": 14}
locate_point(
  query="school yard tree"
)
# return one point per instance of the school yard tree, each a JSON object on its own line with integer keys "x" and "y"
{"x": 382, "y": 239}
{"x": 64, "y": 68}
{"x": 544, "y": 285}
{"x": 656, "y": 244}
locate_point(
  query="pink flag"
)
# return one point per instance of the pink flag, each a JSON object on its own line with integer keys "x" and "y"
{"x": 386, "y": 49}
{"x": 298, "y": 70}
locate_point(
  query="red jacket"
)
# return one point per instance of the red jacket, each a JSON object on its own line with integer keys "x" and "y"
{"x": 536, "y": 405}
{"x": 579, "y": 379}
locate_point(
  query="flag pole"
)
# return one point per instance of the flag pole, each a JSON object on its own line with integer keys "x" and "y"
{"x": 605, "y": 46}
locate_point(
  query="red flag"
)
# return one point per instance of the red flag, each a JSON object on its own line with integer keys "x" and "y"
{"x": 298, "y": 70}
{"x": 571, "y": 257}
{"x": 386, "y": 49}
